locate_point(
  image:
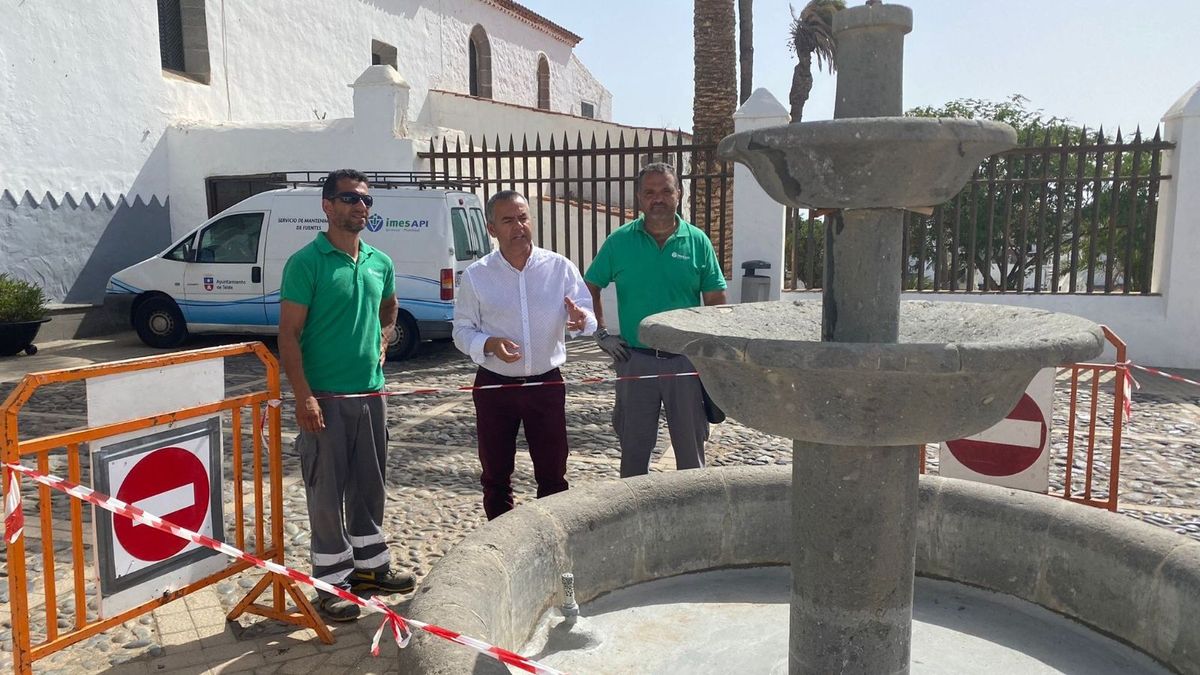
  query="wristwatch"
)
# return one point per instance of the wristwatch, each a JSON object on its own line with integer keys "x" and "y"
{"x": 600, "y": 333}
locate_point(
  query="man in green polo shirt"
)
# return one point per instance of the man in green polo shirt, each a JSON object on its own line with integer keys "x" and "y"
{"x": 659, "y": 262}
{"x": 337, "y": 308}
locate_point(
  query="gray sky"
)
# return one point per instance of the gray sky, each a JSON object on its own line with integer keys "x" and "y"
{"x": 1110, "y": 62}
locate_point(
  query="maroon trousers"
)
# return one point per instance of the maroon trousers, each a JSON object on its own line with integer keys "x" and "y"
{"x": 498, "y": 414}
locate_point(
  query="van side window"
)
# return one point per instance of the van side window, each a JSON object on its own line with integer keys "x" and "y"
{"x": 232, "y": 239}
{"x": 184, "y": 251}
{"x": 481, "y": 233}
{"x": 462, "y": 239}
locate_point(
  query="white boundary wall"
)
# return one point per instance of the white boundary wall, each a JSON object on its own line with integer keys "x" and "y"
{"x": 370, "y": 141}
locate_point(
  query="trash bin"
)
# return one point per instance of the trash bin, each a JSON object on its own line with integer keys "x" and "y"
{"x": 755, "y": 288}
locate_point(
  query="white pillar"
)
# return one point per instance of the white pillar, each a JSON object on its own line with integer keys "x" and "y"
{"x": 380, "y": 103}
{"x": 758, "y": 220}
{"x": 1177, "y": 232}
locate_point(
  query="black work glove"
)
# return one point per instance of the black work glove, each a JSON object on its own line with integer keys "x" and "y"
{"x": 613, "y": 345}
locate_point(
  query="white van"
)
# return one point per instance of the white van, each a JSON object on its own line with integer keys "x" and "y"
{"x": 224, "y": 276}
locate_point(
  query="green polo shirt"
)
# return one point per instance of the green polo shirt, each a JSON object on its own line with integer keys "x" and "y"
{"x": 651, "y": 279}
{"x": 340, "y": 340}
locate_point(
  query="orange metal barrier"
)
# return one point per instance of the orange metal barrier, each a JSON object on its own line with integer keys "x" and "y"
{"x": 25, "y": 651}
{"x": 1095, "y": 371}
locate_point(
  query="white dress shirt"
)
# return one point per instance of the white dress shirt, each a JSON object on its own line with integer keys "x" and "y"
{"x": 525, "y": 306}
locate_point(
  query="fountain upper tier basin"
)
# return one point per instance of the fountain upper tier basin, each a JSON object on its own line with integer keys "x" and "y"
{"x": 871, "y": 162}
{"x": 957, "y": 369}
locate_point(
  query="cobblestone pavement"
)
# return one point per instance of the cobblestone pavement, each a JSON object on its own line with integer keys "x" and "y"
{"x": 433, "y": 501}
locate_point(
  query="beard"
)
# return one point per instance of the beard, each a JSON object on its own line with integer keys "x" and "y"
{"x": 353, "y": 224}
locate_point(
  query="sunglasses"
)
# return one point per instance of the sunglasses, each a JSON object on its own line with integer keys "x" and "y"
{"x": 354, "y": 198}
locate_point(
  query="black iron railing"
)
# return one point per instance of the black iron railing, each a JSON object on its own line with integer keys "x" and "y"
{"x": 1070, "y": 212}
{"x": 579, "y": 191}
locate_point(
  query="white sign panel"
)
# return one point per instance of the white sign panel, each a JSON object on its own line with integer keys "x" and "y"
{"x": 1015, "y": 452}
{"x": 172, "y": 471}
{"x": 127, "y": 396}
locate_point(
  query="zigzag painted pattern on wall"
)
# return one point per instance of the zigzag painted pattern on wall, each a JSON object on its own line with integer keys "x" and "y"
{"x": 48, "y": 200}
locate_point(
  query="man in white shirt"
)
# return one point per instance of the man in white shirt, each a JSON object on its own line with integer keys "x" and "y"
{"x": 513, "y": 306}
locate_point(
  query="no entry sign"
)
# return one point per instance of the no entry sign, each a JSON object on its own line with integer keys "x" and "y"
{"x": 174, "y": 473}
{"x": 1013, "y": 453}
{"x": 170, "y": 482}
{"x": 1008, "y": 448}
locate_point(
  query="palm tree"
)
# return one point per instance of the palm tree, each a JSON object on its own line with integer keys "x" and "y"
{"x": 812, "y": 33}
{"x": 716, "y": 98}
{"x": 715, "y": 70}
{"x": 745, "y": 49}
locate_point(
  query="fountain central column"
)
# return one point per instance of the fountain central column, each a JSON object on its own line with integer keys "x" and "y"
{"x": 854, "y": 507}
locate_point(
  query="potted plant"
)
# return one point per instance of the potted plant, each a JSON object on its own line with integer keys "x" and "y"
{"x": 22, "y": 313}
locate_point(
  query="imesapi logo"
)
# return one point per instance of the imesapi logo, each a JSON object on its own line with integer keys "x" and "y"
{"x": 375, "y": 222}
{"x": 400, "y": 223}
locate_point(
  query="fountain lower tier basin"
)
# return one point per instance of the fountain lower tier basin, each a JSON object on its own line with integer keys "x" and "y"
{"x": 736, "y": 621}
{"x": 957, "y": 369}
{"x": 1123, "y": 578}
{"x": 871, "y": 162}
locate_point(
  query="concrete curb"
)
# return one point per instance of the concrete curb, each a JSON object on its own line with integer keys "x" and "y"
{"x": 70, "y": 322}
{"x": 1124, "y": 578}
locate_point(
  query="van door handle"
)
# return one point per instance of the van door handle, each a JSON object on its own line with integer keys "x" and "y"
{"x": 256, "y": 275}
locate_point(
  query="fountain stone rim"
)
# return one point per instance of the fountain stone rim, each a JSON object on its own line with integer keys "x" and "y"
{"x": 871, "y": 394}
{"x": 496, "y": 584}
{"x": 867, "y": 162}
{"x": 1059, "y": 338}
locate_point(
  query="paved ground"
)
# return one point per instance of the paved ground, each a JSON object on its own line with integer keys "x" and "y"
{"x": 434, "y": 499}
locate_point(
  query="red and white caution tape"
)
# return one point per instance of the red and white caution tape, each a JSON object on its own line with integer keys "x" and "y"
{"x": 14, "y": 515}
{"x": 485, "y": 387}
{"x": 399, "y": 625}
{"x": 514, "y": 385}
{"x": 1163, "y": 373}
{"x": 1127, "y": 386}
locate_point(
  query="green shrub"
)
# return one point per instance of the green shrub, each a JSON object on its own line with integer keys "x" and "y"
{"x": 20, "y": 300}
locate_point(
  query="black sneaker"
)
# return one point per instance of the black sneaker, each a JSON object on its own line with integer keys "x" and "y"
{"x": 381, "y": 580}
{"x": 338, "y": 609}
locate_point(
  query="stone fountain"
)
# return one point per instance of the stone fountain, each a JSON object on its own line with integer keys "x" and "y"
{"x": 860, "y": 381}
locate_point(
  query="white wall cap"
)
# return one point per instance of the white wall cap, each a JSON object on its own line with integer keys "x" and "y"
{"x": 1188, "y": 105}
{"x": 379, "y": 76}
{"x": 761, "y": 104}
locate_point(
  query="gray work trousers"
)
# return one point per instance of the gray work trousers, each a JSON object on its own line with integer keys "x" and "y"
{"x": 638, "y": 405}
{"x": 344, "y": 468}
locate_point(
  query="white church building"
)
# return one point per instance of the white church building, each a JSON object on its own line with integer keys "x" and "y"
{"x": 127, "y": 123}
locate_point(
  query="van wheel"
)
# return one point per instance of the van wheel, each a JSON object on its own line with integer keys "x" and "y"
{"x": 405, "y": 339}
{"x": 159, "y": 323}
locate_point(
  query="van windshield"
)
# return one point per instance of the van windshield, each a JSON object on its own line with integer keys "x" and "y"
{"x": 463, "y": 250}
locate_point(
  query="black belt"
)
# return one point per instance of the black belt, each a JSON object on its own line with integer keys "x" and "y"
{"x": 656, "y": 353}
{"x": 549, "y": 375}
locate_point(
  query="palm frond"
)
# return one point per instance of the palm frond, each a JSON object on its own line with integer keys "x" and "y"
{"x": 811, "y": 31}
